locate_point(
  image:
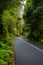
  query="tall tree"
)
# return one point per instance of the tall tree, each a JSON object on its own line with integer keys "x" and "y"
{"x": 7, "y": 4}
{"x": 33, "y": 17}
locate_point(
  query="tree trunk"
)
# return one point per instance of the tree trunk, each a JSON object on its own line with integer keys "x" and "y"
{"x": 1, "y": 24}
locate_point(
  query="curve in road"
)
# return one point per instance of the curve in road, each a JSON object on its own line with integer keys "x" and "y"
{"x": 27, "y": 53}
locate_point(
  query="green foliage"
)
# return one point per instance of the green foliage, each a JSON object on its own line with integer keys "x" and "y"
{"x": 4, "y": 46}
{"x": 5, "y": 55}
{"x": 8, "y": 39}
{"x": 10, "y": 26}
{"x": 8, "y": 15}
{"x": 2, "y": 62}
{"x": 33, "y": 17}
{"x": 37, "y": 3}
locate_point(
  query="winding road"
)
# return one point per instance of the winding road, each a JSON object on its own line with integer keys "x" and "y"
{"x": 27, "y": 53}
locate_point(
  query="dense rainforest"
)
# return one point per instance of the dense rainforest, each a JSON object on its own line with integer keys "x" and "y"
{"x": 33, "y": 18}
{"x": 10, "y": 26}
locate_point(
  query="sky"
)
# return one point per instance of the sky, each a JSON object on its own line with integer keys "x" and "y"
{"x": 22, "y": 8}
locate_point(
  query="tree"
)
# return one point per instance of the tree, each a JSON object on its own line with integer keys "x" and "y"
{"x": 33, "y": 17}
{"x": 9, "y": 16}
{"x": 4, "y": 5}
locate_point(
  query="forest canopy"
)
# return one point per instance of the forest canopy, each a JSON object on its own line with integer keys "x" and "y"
{"x": 33, "y": 18}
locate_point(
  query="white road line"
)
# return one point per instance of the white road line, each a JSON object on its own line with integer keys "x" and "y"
{"x": 31, "y": 45}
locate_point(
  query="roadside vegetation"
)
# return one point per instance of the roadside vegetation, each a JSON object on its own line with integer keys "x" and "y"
{"x": 10, "y": 27}
{"x": 33, "y": 18}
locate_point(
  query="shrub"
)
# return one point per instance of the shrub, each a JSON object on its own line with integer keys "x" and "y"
{"x": 4, "y": 46}
{"x": 5, "y": 55}
{"x": 2, "y": 62}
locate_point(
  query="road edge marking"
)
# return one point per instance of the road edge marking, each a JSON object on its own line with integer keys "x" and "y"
{"x": 31, "y": 45}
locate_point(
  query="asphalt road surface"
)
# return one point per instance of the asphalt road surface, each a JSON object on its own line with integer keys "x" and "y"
{"x": 27, "y": 53}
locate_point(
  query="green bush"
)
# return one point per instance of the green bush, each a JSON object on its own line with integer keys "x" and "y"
{"x": 8, "y": 39}
{"x": 33, "y": 19}
{"x": 4, "y": 46}
{"x": 4, "y": 54}
{"x": 2, "y": 62}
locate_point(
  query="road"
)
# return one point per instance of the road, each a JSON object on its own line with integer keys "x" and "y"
{"x": 27, "y": 53}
